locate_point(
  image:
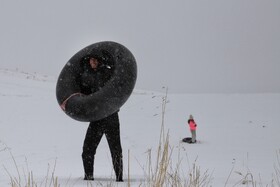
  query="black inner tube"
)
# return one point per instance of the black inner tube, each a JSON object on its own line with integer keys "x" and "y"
{"x": 111, "y": 96}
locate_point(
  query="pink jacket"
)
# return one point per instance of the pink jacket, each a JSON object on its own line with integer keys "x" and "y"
{"x": 192, "y": 124}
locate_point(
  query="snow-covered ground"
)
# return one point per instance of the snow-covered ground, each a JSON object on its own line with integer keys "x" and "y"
{"x": 236, "y": 132}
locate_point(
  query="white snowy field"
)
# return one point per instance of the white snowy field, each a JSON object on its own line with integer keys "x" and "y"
{"x": 238, "y": 134}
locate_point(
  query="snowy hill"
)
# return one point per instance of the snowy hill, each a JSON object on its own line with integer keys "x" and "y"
{"x": 237, "y": 134}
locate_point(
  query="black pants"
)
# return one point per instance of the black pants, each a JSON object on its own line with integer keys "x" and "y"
{"x": 109, "y": 126}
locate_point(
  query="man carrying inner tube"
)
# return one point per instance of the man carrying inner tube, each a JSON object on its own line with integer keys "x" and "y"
{"x": 96, "y": 71}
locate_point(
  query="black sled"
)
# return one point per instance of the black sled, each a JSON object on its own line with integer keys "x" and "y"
{"x": 188, "y": 140}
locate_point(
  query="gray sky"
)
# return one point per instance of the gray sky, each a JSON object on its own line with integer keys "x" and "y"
{"x": 189, "y": 46}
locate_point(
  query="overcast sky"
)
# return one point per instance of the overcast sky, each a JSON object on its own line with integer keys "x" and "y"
{"x": 189, "y": 46}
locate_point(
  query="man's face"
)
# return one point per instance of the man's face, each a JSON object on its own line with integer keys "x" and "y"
{"x": 93, "y": 63}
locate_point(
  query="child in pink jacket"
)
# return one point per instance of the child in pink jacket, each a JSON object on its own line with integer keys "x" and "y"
{"x": 193, "y": 126}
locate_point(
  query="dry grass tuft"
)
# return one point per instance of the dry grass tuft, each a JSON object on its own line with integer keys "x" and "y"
{"x": 163, "y": 173}
{"x": 27, "y": 180}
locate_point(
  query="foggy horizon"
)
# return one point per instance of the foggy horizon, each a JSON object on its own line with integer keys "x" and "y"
{"x": 188, "y": 46}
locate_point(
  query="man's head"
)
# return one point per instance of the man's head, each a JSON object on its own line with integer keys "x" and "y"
{"x": 94, "y": 63}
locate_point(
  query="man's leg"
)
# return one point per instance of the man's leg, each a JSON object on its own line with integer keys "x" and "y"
{"x": 92, "y": 139}
{"x": 113, "y": 137}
